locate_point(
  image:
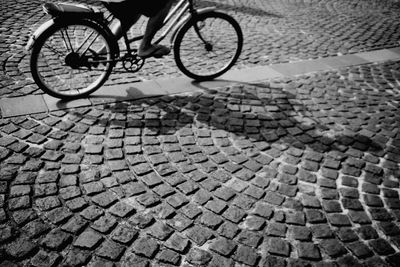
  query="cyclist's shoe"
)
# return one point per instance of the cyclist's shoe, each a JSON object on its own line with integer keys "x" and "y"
{"x": 156, "y": 51}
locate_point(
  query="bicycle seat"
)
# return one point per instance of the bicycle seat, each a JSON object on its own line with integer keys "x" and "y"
{"x": 58, "y": 9}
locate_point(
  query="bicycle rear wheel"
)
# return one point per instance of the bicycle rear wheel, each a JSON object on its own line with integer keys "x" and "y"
{"x": 64, "y": 62}
{"x": 212, "y": 50}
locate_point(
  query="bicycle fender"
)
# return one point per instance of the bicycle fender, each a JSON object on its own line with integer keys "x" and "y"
{"x": 42, "y": 28}
{"x": 186, "y": 19}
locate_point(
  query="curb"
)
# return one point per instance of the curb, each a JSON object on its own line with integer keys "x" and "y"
{"x": 31, "y": 104}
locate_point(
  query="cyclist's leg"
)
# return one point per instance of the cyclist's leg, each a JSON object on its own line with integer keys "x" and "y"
{"x": 155, "y": 22}
{"x": 120, "y": 27}
{"x": 123, "y": 25}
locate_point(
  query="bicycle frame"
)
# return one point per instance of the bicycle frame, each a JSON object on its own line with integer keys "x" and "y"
{"x": 175, "y": 16}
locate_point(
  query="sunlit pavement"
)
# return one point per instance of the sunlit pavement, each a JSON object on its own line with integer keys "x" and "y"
{"x": 295, "y": 170}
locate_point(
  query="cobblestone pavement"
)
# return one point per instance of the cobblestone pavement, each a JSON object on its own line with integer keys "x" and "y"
{"x": 293, "y": 172}
{"x": 275, "y": 31}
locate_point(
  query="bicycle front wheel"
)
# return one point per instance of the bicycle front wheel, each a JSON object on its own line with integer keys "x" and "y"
{"x": 208, "y": 45}
{"x": 72, "y": 59}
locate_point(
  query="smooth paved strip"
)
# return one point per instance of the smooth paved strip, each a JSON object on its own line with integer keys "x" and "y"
{"x": 12, "y": 107}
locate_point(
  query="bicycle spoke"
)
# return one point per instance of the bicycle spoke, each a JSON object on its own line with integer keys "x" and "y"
{"x": 54, "y": 50}
{"x": 68, "y": 42}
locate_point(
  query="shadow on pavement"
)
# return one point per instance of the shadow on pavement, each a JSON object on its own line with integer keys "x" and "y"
{"x": 246, "y": 114}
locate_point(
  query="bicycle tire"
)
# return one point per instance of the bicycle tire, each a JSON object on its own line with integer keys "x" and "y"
{"x": 192, "y": 63}
{"x": 53, "y": 74}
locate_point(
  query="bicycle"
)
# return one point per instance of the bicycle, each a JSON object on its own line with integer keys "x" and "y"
{"x": 206, "y": 43}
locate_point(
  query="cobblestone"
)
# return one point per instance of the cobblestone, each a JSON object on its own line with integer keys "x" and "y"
{"x": 311, "y": 179}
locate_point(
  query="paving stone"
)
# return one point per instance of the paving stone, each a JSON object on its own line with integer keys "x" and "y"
{"x": 347, "y": 235}
{"x": 380, "y": 214}
{"x": 223, "y": 246}
{"x": 338, "y": 220}
{"x": 160, "y": 231}
{"x": 308, "y": 251}
{"x": 198, "y": 257}
{"x": 191, "y": 211}
{"x": 199, "y": 234}
{"x": 389, "y": 228}
{"x": 105, "y": 223}
{"x": 24, "y": 178}
{"x": 234, "y": 214}
{"x": 177, "y": 243}
{"x": 141, "y": 220}
{"x": 333, "y": 247}
{"x": 310, "y": 201}
{"x": 254, "y": 223}
{"x": 279, "y": 216}
{"x": 76, "y": 257}
{"x": 263, "y": 210}
{"x": 177, "y": 200}
{"x": 74, "y": 225}
{"x": 169, "y": 256}
{"x": 278, "y": 246}
{"x": 220, "y": 261}
{"x": 122, "y": 209}
{"x": 393, "y": 259}
{"x": 104, "y": 199}
{"x": 110, "y": 250}
{"x": 20, "y": 248}
{"x": 216, "y": 206}
{"x": 131, "y": 259}
{"x": 23, "y": 216}
{"x": 210, "y": 220}
{"x": 133, "y": 189}
{"x": 43, "y": 258}
{"x": 301, "y": 233}
{"x": 246, "y": 255}
{"x": 367, "y": 232}
{"x": 349, "y": 193}
{"x": 321, "y": 231}
{"x": 249, "y": 238}
{"x": 146, "y": 247}
{"x": 124, "y": 234}
{"x": 58, "y": 215}
{"x": 89, "y": 239}
{"x": 270, "y": 261}
{"x": 295, "y": 217}
{"x": 228, "y": 230}
{"x": 19, "y": 190}
{"x": 56, "y": 239}
{"x": 373, "y": 201}
{"x": 92, "y": 213}
{"x": 68, "y": 180}
{"x": 45, "y": 189}
{"x": 274, "y": 198}
{"x": 148, "y": 199}
{"x": 381, "y": 246}
{"x": 19, "y": 203}
{"x": 69, "y": 192}
{"x": 359, "y": 217}
{"x": 151, "y": 179}
{"x": 244, "y": 202}
{"x": 359, "y": 249}
{"x": 6, "y": 232}
{"x": 276, "y": 229}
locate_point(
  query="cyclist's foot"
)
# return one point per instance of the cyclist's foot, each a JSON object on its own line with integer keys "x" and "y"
{"x": 156, "y": 51}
